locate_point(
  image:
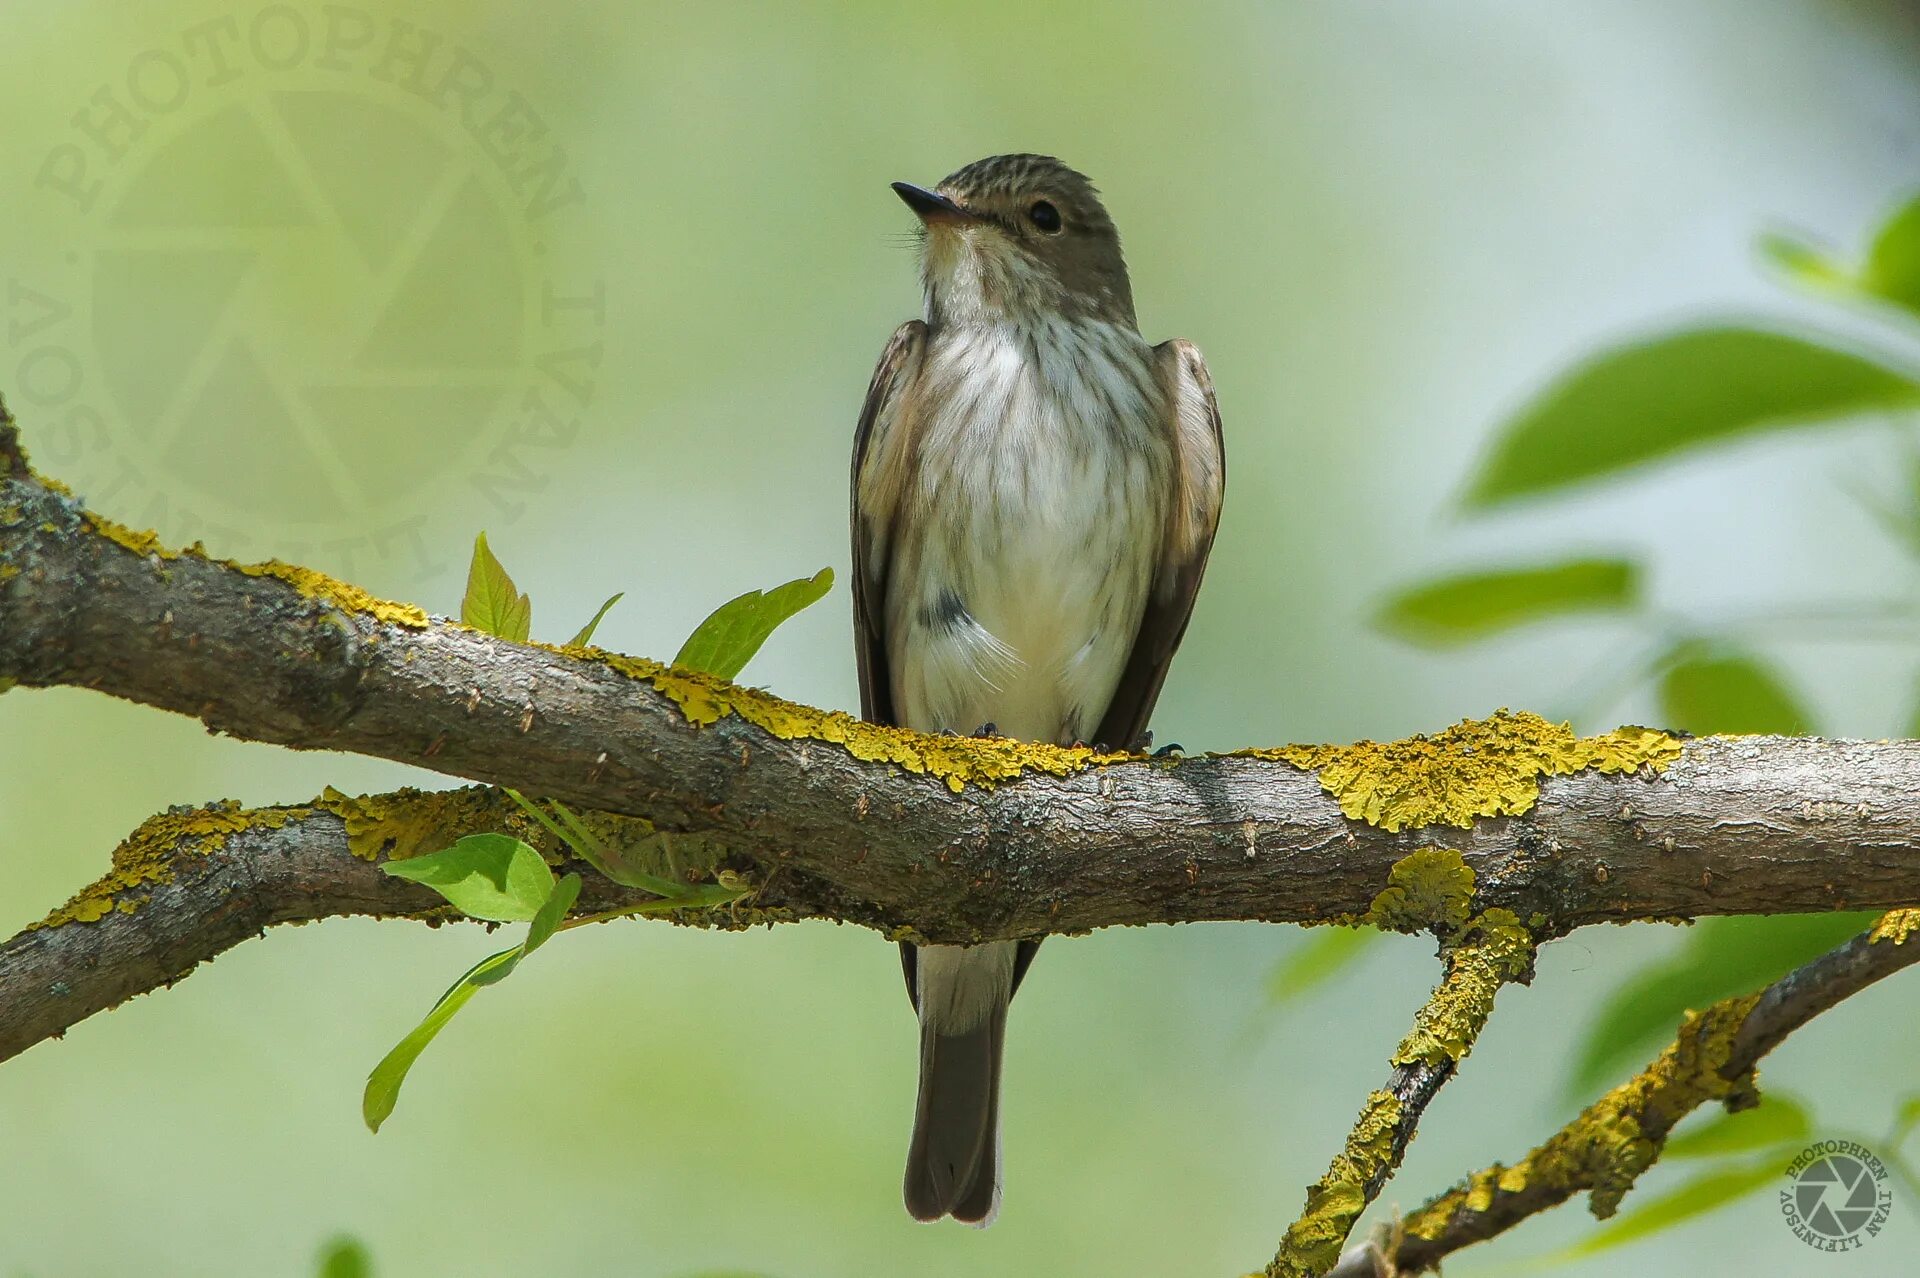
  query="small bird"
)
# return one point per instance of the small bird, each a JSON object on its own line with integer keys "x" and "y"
{"x": 1035, "y": 491}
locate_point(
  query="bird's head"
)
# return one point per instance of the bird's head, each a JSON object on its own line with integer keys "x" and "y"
{"x": 1018, "y": 239}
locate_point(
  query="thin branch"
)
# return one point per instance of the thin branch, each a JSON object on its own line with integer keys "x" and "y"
{"x": 1494, "y": 950}
{"x": 1603, "y": 1151}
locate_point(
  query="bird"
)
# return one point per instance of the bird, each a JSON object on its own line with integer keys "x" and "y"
{"x": 1035, "y": 492}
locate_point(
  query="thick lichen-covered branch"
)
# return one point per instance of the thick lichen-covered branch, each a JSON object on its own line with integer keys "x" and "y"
{"x": 1427, "y": 891}
{"x": 1604, "y": 1151}
{"x": 952, "y": 839}
{"x": 956, "y": 839}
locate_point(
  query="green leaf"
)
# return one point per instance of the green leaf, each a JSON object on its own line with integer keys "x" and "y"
{"x": 1637, "y": 404}
{"x": 383, "y": 1085}
{"x": 590, "y": 849}
{"x": 1777, "y": 1120}
{"x": 1805, "y": 264}
{"x": 725, "y": 641}
{"x": 1704, "y": 1193}
{"x": 1720, "y": 957}
{"x": 1321, "y": 955}
{"x": 486, "y": 876}
{"x": 1706, "y": 690}
{"x": 1470, "y": 606}
{"x": 492, "y": 603}
{"x": 552, "y": 913}
{"x": 609, "y": 861}
{"x": 586, "y": 632}
{"x": 1905, "y": 1119}
{"x": 1892, "y": 270}
{"x": 345, "y": 1258}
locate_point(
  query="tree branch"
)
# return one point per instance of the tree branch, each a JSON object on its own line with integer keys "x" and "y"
{"x": 192, "y": 883}
{"x": 959, "y": 840}
{"x": 1604, "y": 1150}
{"x": 1493, "y": 951}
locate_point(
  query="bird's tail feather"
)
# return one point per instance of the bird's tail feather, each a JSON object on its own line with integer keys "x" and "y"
{"x": 953, "y": 1165}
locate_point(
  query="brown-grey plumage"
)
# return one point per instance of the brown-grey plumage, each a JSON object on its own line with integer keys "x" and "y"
{"x": 1035, "y": 492}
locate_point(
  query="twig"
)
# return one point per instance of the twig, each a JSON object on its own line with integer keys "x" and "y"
{"x": 1493, "y": 951}
{"x": 1605, "y": 1149}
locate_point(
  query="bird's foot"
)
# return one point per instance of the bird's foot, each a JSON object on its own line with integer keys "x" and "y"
{"x": 1143, "y": 744}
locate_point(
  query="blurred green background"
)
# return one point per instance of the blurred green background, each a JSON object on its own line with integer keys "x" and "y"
{"x": 328, "y": 290}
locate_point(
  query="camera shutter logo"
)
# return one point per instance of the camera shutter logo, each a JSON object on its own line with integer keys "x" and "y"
{"x": 331, "y": 228}
{"x": 1837, "y": 1195}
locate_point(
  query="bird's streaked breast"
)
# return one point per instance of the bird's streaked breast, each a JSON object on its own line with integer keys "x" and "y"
{"x": 1037, "y": 506}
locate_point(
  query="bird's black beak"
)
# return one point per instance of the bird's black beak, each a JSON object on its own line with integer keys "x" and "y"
{"x": 930, "y": 205}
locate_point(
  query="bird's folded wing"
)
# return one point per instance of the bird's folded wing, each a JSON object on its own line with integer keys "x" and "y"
{"x": 882, "y": 457}
{"x": 1200, "y": 479}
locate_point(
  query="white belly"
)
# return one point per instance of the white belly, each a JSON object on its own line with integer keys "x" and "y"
{"x": 1018, "y": 588}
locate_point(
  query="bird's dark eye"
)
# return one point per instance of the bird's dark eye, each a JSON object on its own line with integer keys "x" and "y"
{"x": 1044, "y": 216}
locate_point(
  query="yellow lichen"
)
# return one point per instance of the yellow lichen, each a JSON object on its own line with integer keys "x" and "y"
{"x": 149, "y": 856}
{"x": 1494, "y": 950}
{"x": 313, "y": 585}
{"x": 958, "y": 761}
{"x": 1477, "y": 768}
{"x": 1428, "y": 889}
{"x": 404, "y": 823}
{"x": 342, "y": 594}
{"x": 1312, "y": 1243}
{"x": 1895, "y": 926}
{"x": 143, "y": 542}
{"x": 1615, "y": 1139}
{"x": 1479, "y": 1190}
